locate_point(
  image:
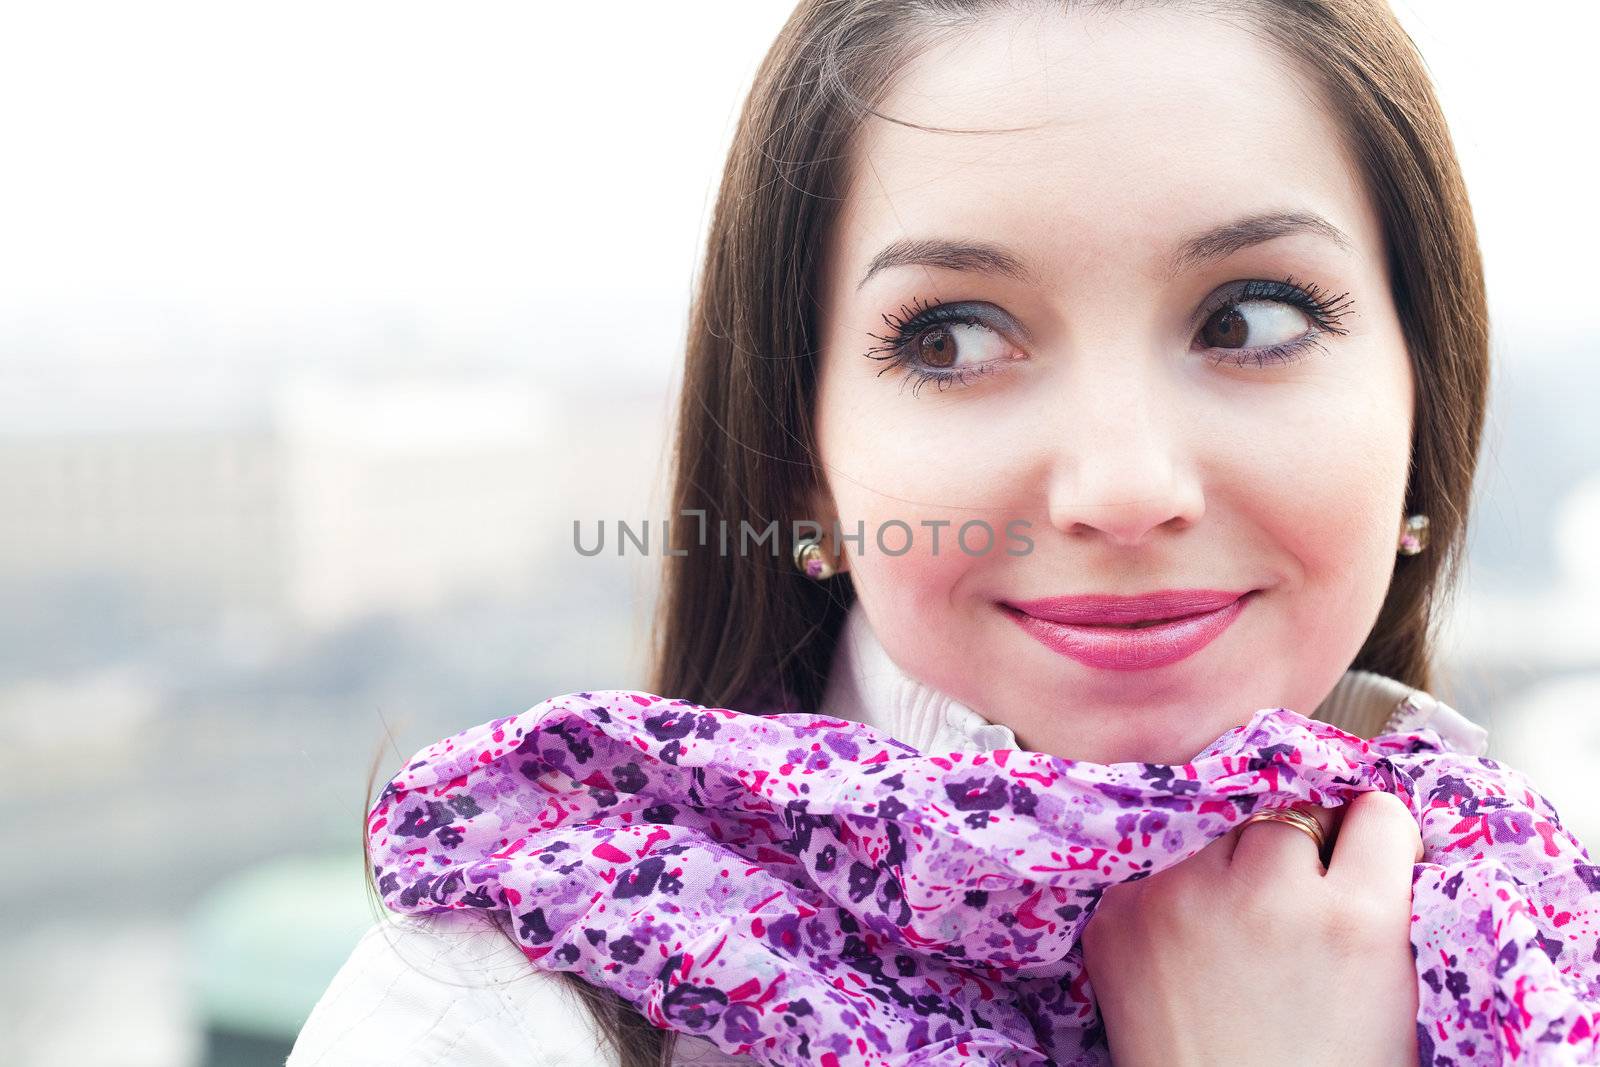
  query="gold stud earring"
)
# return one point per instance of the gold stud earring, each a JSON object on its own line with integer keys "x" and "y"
{"x": 812, "y": 561}
{"x": 1414, "y": 535}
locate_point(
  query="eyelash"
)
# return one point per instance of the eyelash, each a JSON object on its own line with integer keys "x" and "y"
{"x": 1326, "y": 313}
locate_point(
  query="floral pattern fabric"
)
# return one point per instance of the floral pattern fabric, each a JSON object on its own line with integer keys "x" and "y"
{"x": 807, "y": 890}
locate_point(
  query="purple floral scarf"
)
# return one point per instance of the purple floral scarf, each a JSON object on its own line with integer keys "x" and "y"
{"x": 807, "y": 890}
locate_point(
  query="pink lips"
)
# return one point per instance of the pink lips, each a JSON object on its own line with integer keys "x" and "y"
{"x": 1094, "y": 630}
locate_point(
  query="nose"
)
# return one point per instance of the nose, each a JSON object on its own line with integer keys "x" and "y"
{"x": 1122, "y": 465}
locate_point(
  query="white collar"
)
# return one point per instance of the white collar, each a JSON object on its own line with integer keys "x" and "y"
{"x": 865, "y": 685}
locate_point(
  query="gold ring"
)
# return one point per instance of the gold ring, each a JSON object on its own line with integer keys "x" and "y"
{"x": 1294, "y": 817}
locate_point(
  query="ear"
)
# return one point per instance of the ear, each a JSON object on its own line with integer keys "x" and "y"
{"x": 818, "y": 506}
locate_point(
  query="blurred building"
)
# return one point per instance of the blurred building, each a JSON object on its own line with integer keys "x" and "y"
{"x": 319, "y": 502}
{"x": 188, "y": 519}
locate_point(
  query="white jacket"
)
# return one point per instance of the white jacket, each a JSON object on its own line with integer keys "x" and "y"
{"x": 450, "y": 988}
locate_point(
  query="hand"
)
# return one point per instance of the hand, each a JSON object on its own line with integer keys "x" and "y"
{"x": 1250, "y": 953}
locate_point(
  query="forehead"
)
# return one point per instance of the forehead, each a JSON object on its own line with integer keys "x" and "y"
{"x": 1136, "y": 129}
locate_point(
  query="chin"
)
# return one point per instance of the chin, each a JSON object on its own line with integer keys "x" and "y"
{"x": 1129, "y": 717}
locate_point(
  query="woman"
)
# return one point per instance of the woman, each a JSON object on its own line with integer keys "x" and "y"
{"x": 1176, "y": 297}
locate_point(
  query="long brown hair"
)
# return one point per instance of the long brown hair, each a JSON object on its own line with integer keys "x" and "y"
{"x": 730, "y": 626}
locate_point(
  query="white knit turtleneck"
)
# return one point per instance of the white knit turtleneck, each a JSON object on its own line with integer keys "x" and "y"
{"x": 865, "y": 685}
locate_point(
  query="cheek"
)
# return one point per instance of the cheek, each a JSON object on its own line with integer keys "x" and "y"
{"x": 953, "y": 457}
{"x": 944, "y": 481}
{"x": 930, "y": 499}
{"x": 914, "y": 598}
{"x": 1328, "y": 488}
{"x": 917, "y": 537}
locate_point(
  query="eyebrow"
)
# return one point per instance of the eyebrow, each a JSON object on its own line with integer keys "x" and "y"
{"x": 1211, "y": 244}
{"x": 1231, "y": 237}
{"x": 974, "y": 256}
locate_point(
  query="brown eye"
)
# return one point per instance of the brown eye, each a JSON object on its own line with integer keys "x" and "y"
{"x": 936, "y": 347}
{"x": 948, "y": 352}
{"x": 1270, "y": 322}
{"x": 1225, "y": 329}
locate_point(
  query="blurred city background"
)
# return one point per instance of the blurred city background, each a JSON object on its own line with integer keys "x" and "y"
{"x": 319, "y": 325}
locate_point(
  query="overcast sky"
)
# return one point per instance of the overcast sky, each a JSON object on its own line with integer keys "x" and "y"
{"x": 213, "y": 171}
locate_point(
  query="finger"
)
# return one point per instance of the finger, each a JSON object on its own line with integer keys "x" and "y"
{"x": 1215, "y": 853}
{"x": 1379, "y": 843}
{"x": 1268, "y": 849}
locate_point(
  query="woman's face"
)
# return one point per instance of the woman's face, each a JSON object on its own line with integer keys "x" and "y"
{"x": 1108, "y": 382}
